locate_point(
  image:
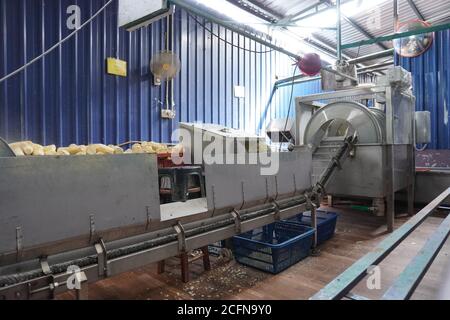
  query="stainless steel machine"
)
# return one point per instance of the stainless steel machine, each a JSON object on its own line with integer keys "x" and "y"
{"x": 383, "y": 160}
{"x": 96, "y": 216}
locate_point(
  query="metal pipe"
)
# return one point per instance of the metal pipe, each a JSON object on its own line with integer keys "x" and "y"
{"x": 338, "y": 30}
{"x": 373, "y": 70}
{"x": 393, "y": 36}
{"x": 256, "y": 10}
{"x": 172, "y": 41}
{"x": 313, "y": 6}
{"x": 357, "y": 27}
{"x": 376, "y": 66}
{"x": 167, "y": 49}
{"x": 302, "y": 80}
{"x": 373, "y": 56}
{"x": 329, "y": 69}
{"x": 266, "y": 109}
{"x": 312, "y": 14}
{"x": 416, "y": 10}
{"x": 288, "y": 80}
{"x": 395, "y": 3}
{"x": 186, "y": 6}
{"x": 318, "y": 44}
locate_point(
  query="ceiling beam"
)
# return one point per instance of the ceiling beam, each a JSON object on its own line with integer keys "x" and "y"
{"x": 319, "y": 46}
{"x": 311, "y": 14}
{"x": 257, "y": 9}
{"x": 321, "y": 3}
{"x": 361, "y": 30}
{"x": 305, "y": 10}
{"x": 357, "y": 27}
{"x": 416, "y": 10}
{"x": 374, "y": 56}
{"x": 232, "y": 27}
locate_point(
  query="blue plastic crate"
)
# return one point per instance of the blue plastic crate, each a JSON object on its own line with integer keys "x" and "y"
{"x": 215, "y": 248}
{"x": 274, "y": 248}
{"x": 326, "y": 224}
{"x": 296, "y": 218}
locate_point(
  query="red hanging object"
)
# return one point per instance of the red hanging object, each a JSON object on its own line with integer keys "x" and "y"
{"x": 310, "y": 64}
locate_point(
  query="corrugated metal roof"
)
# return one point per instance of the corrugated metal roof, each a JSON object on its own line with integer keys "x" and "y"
{"x": 378, "y": 21}
{"x": 285, "y": 7}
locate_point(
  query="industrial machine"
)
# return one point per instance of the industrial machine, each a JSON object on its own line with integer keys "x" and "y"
{"x": 382, "y": 116}
{"x": 91, "y": 217}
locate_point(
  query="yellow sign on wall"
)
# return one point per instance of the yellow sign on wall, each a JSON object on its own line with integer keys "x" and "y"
{"x": 116, "y": 67}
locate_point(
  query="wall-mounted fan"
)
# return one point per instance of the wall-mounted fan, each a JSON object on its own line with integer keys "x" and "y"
{"x": 414, "y": 45}
{"x": 165, "y": 66}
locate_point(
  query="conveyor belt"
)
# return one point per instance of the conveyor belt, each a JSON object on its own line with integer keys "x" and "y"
{"x": 208, "y": 231}
{"x": 11, "y": 279}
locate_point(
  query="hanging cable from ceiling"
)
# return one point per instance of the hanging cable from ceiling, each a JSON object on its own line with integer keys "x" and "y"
{"x": 224, "y": 40}
{"x": 56, "y": 45}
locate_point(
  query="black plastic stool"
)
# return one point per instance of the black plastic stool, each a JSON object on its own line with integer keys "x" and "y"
{"x": 181, "y": 184}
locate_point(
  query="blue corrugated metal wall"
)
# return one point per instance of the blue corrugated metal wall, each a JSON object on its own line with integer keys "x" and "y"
{"x": 68, "y": 98}
{"x": 431, "y": 75}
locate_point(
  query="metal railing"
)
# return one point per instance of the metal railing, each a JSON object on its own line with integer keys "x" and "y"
{"x": 405, "y": 284}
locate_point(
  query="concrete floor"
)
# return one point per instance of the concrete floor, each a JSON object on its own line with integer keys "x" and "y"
{"x": 356, "y": 234}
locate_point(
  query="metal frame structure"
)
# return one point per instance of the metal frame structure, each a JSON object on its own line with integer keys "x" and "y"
{"x": 106, "y": 259}
{"x": 393, "y": 36}
{"x": 257, "y": 10}
{"x": 210, "y": 17}
{"x": 416, "y": 10}
{"x": 270, "y": 17}
{"x": 391, "y": 144}
{"x": 404, "y": 286}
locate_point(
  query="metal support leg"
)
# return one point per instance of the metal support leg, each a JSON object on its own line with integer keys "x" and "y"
{"x": 412, "y": 181}
{"x": 330, "y": 201}
{"x": 83, "y": 292}
{"x": 184, "y": 267}
{"x": 161, "y": 266}
{"x": 102, "y": 258}
{"x": 390, "y": 212}
{"x": 315, "y": 251}
{"x": 389, "y": 188}
{"x": 179, "y": 229}
{"x": 379, "y": 205}
{"x": 237, "y": 221}
{"x": 206, "y": 261}
{"x": 411, "y": 199}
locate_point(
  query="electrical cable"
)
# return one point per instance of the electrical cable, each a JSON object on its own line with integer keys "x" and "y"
{"x": 224, "y": 40}
{"x": 57, "y": 44}
{"x": 424, "y": 147}
{"x": 290, "y": 101}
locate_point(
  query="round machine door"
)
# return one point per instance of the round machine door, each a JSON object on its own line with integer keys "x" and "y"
{"x": 345, "y": 118}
